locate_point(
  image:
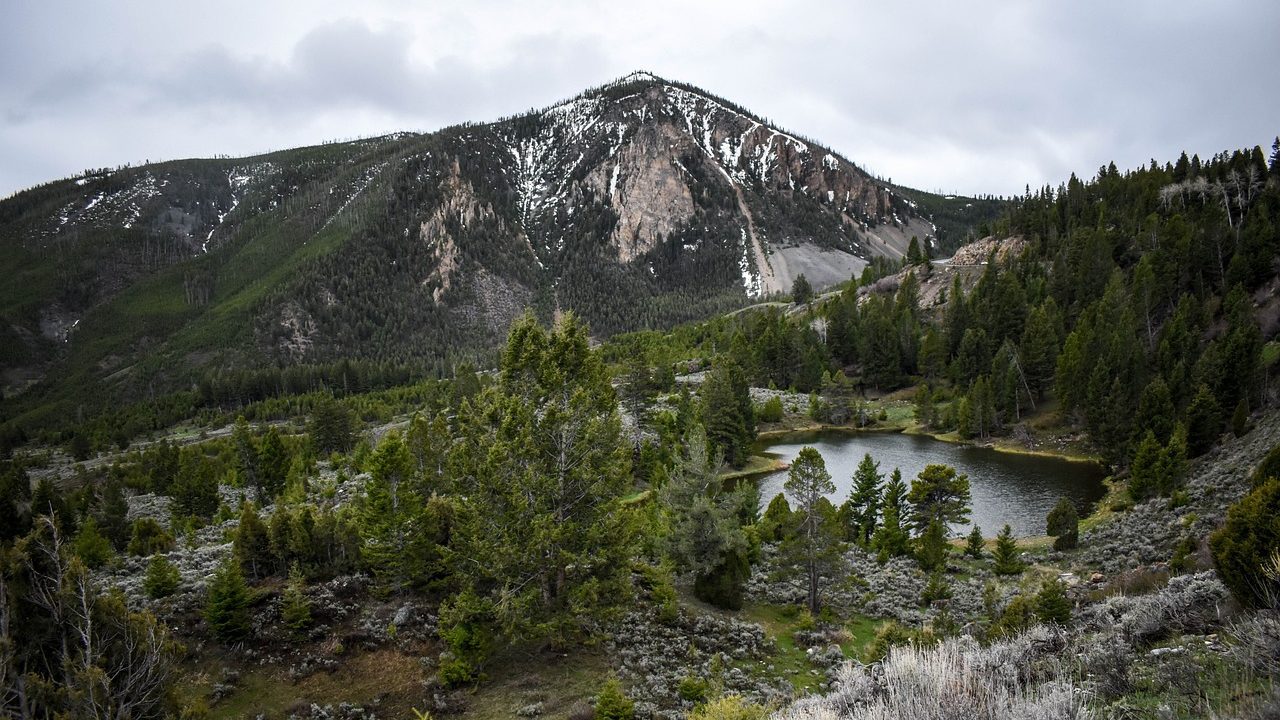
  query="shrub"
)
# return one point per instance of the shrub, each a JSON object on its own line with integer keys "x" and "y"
{"x": 722, "y": 586}
{"x": 936, "y": 589}
{"x": 162, "y": 578}
{"x": 693, "y": 689}
{"x": 1268, "y": 468}
{"x": 613, "y": 704}
{"x": 1063, "y": 524}
{"x": 1242, "y": 548}
{"x": 955, "y": 680}
{"x": 729, "y": 707}
{"x": 888, "y": 636}
{"x": 1052, "y": 605}
{"x": 149, "y": 538}
{"x": 90, "y": 545}
{"x": 770, "y": 411}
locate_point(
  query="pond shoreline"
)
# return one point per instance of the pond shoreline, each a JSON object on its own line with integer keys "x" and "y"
{"x": 1008, "y": 446}
{"x": 775, "y": 447}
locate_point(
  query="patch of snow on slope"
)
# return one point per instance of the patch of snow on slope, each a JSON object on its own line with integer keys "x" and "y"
{"x": 750, "y": 281}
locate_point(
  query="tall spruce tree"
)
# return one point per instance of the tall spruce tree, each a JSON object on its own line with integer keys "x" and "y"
{"x": 864, "y": 500}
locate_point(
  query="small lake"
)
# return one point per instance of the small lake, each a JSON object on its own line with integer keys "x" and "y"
{"x": 1005, "y": 487}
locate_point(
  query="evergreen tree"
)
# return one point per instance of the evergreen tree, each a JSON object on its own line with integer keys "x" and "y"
{"x": 389, "y": 510}
{"x": 914, "y": 256}
{"x": 926, "y": 412}
{"x": 246, "y": 449}
{"x": 195, "y": 491}
{"x": 935, "y": 589}
{"x": 162, "y": 578}
{"x": 938, "y": 493}
{"x": 113, "y": 515}
{"x": 974, "y": 543}
{"x": 273, "y": 465}
{"x": 1052, "y": 605}
{"x": 1244, "y": 548}
{"x": 864, "y": 500}
{"x": 251, "y": 546}
{"x": 295, "y": 609}
{"x": 332, "y": 427}
{"x": 931, "y": 546}
{"x": 727, "y": 412}
{"x": 613, "y": 704}
{"x": 1038, "y": 349}
{"x": 704, "y": 537}
{"x": 227, "y": 607}
{"x": 90, "y": 545}
{"x": 891, "y": 539}
{"x": 540, "y": 469}
{"x": 778, "y": 519}
{"x": 148, "y": 538}
{"x": 801, "y": 290}
{"x": 1063, "y": 524}
{"x": 1006, "y": 553}
{"x": 814, "y": 546}
{"x": 1155, "y": 410}
{"x": 1204, "y": 422}
{"x": 1240, "y": 418}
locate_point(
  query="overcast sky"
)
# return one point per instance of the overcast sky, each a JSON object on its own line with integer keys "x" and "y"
{"x": 971, "y": 97}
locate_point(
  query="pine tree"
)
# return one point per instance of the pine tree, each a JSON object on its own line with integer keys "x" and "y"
{"x": 162, "y": 578}
{"x": 540, "y": 468}
{"x": 90, "y": 545}
{"x": 1204, "y": 422}
{"x": 332, "y": 426}
{"x": 914, "y": 256}
{"x": 727, "y": 412}
{"x": 776, "y": 523}
{"x": 251, "y": 546}
{"x": 974, "y": 543}
{"x": 1052, "y": 605}
{"x": 195, "y": 491}
{"x": 613, "y": 704}
{"x": 931, "y": 546}
{"x": 246, "y": 449}
{"x": 389, "y": 509}
{"x": 926, "y": 412}
{"x": 273, "y": 465}
{"x": 113, "y": 516}
{"x": 813, "y": 546}
{"x": 1006, "y": 553}
{"x": 704, "y": 537}
{"x": 891, "y": 539}
{"x": 935, "y": 589}
{"x": 939, "y": 493}
{"x": 1063, "y": 524}
{"x": 801, "y": 290}
{"x": 295, "y": 609}
{"x": 227, "y": 607}
{"x": 1144, "y": 471}
{"x": 148, "y": 537}
{"x": 864, "y": 500}
{"x": 1240, "y": 418}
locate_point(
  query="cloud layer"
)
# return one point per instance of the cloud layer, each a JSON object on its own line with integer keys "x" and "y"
{"x": 976, "y": 98}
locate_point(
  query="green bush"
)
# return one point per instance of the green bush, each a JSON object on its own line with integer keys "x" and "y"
{"x": 149, "y": 538}
{"x": 613, "y": 704}
{"x": 1063, "y": 524}
{"x": 1243, "y": 548}
{"x": 771, "y": 410}
{"x": 1052, "y": 605}
{"x": 723, "y": 585}
{"x": 694, "y": 689}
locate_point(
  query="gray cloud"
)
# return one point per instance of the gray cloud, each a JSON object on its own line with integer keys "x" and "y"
{"x": 970, "y": 97}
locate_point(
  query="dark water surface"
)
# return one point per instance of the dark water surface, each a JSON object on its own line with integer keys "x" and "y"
{"x": 1006, "y": 488}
